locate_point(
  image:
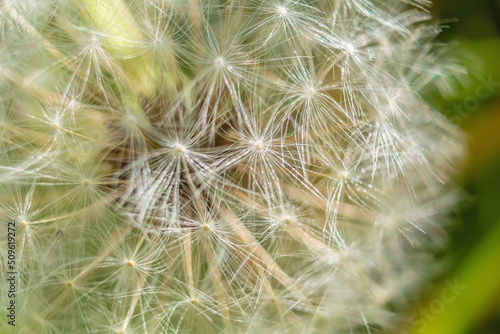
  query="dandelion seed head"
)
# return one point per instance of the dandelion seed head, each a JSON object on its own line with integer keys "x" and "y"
{"x": 238, "y": 166}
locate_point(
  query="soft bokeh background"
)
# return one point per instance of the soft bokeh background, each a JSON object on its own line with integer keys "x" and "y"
{"x": 474, "y": 31}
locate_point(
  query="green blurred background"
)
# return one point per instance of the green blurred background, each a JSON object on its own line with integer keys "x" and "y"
{"x": 472, "y": 27}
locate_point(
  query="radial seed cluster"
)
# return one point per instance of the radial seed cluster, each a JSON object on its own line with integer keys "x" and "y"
{"x": 220, "y": 166}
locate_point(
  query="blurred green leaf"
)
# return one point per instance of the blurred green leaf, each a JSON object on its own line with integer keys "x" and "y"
{"x": 480, "y": 276}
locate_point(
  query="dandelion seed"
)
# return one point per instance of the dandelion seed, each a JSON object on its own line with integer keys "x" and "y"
{"x": 282, "y": 10}
{"x": 219, "y": 62}
{"x": 179, "y": 148}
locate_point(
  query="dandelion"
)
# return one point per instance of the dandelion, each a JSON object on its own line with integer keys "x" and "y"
{"x": 209, "y": 166}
